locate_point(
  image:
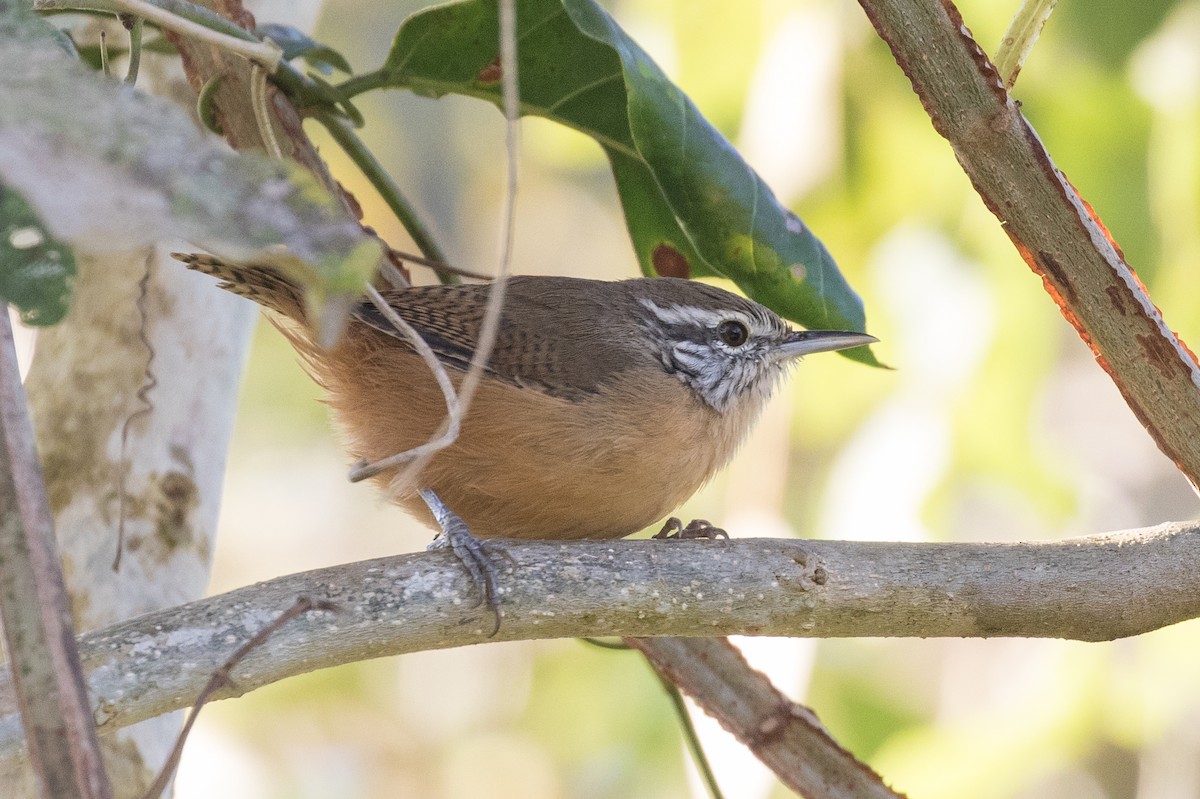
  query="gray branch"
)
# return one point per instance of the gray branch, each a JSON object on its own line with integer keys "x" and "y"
{"x": 1095, "y": 588}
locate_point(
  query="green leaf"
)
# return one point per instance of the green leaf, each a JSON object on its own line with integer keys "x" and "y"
{"x": 297, "y": 44}
{"x": 692, "y": 204}
{"x": 662, "y": 246}
{"x": 108, "y": 170}
{"x": 36, "y": 270}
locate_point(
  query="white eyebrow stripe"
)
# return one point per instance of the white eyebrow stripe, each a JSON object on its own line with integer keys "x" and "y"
{"x": 691, "y": 314}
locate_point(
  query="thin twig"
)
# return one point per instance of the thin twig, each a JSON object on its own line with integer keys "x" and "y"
{"x": 221, "y": 677}
{"x": 454, "y": 412}
{"x": 490, "y": 326}
{"x": 417, "y": 457}
{"x": 267, "y": 53}
{"x": 438, "y": 266}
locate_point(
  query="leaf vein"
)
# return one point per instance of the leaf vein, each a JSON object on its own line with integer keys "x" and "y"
{"x": 566, "y": 98}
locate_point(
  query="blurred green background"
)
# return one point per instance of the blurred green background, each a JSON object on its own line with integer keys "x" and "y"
{"x": 996, "y": 424}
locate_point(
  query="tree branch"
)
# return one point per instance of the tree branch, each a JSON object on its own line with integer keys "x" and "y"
{"x": 36, "y": 610}
{"x": 1053, "y": 228}
{"x": 1094, "y": 588}
{"x": 787, "y": 737}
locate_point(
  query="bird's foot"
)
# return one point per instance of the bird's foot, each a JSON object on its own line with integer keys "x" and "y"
{"x": 674, "y": 530}
{"x": 473, "y": 553}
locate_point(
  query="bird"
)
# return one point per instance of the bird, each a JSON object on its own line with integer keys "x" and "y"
{"x": 604, "y": 405}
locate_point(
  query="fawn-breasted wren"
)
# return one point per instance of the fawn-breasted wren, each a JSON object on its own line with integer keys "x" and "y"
{"x": 604, "y": 405}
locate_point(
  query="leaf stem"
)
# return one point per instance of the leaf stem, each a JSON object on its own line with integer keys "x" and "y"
{"x": 1022, "y": 33}
{"x": 688, "y": 728}
{"x": 135, "y": 49}
{"x": 375, "y": 172}
{"x": 356, "y": 85}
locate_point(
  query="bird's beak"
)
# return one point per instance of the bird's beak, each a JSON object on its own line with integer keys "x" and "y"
{"x": 806, "y": 342}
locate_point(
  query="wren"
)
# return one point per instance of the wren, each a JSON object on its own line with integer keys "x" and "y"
{"x": 604, "y": 404}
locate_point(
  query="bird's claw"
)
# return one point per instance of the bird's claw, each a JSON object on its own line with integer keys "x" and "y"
{"x": 674, "y": 530}
{"x": 473, "y": 553}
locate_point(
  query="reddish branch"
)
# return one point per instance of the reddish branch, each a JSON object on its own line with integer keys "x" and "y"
{"x": 1053, "y": 228}
{"x": 782, "y": 734}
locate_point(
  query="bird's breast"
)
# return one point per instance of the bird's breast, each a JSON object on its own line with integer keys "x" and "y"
{"x": 528, "y": 464}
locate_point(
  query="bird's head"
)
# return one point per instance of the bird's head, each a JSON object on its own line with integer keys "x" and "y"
{"x": 724, "y": 347}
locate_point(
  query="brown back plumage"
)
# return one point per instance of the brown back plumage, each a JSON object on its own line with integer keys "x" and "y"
{"x": 586, "y": 339}
{"x": 561, "y": 336}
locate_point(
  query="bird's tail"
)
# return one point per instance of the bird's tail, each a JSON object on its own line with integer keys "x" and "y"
{"x": 262, "y": 284}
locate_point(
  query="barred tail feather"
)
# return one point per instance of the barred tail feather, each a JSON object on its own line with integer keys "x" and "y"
{"x": 262, "y": 284}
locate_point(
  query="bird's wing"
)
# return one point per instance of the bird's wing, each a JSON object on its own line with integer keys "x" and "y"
{"x": 447, "y": 317}
{"x": 534, "y": 346}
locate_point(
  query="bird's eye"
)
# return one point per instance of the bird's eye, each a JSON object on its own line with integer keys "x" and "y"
{"x": 733, "y": 332}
